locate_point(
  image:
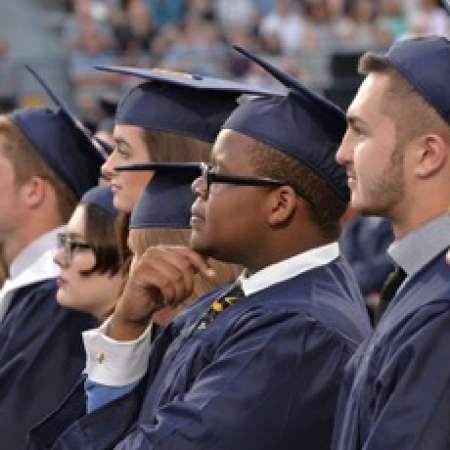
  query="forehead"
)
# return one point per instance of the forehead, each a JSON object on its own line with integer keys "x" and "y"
{"x": 370, "y": 98}
{"x": 128, "y": 132}
{"x": 232, "y": 146}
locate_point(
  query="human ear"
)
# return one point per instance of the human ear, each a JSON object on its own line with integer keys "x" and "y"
{"x": 282, "y": 204}
{"x": 34, "y": 191}
{"x": 431, "y": 155}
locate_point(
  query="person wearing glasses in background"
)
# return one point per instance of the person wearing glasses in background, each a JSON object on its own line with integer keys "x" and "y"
{"x": 47, "y": 161}
{"x": 89, "y": 256}
{"x": 256, "y": 364}
{"x": 161, "y": 216}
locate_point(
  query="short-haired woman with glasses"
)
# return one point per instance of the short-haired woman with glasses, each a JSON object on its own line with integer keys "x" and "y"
{"x": 90, "y": 257}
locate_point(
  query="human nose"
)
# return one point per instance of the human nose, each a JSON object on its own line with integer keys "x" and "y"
{"x": 344, "y": 154}
{"x": 199, "y": 188}
{"x": 107, "y": 169}
{"x": 60, "y": 258}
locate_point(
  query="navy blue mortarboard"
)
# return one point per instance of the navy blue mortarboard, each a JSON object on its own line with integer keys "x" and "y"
{"x": 101, "y": 196}
{"x": 167, "y": 199}
{"x": 180, "y": 103}
{"x": 63, "y": 142}
{"x": 425, "y": 63}
{"x": 301, "y": 124}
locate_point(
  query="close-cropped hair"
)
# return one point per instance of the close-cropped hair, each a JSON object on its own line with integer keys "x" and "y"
{"x": 412, "y": 115}
{"x": 101, "y": 236}
{"x": 171, "y": 147}
{"x": 27, "y": 163}
{"x": 328, "y": 209}
{"x": 143, "y": 238}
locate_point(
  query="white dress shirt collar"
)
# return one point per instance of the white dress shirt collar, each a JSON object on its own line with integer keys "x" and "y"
{"x": 289, "y": 268}
{"x": 32, "y": 252}
{"x": 33, "y": 265}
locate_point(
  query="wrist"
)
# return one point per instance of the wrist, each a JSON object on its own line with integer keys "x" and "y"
{"x": 121, "y": 329}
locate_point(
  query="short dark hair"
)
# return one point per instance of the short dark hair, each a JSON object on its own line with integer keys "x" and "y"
{"x": 412, "y": 104}
{"x": 101, "y": 236}
{"x": 269, "y": 162}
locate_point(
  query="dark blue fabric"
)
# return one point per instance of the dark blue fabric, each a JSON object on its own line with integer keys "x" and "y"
{"x": 62, "y": 141}
{"x": 167, "y": 199}
{"x": 396, "y": 391}
{"x": 41, "y": 357}
{"x": 101, "y": 196}
{"x": 425, "y": 63}
{"x": 364, "y": 243}
{"x": 264, "y": 375}
{"x": 181, "y": 103}
{"x": 62, "y": 146}
{"x": 301, "y": 124}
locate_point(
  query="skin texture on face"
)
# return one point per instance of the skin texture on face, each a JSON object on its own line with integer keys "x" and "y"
{"x": 129, "y": 148}
{"x": 10, "y": 198}
{"x": 228, "y": 223}
{"x": 94, "y": 293}
{"x": 370, "y": 152}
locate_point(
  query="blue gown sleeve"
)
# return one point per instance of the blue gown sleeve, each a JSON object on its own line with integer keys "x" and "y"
{"x": 412, "y": 403}
{"x": 260, "y": 390}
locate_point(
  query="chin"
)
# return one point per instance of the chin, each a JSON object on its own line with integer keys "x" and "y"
{"x": 121, "y": 204}
{"x": 63, "y": 299}
{"x": 200, "y": 245}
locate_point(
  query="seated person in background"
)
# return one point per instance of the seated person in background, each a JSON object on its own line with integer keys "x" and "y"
{"x": 89, "y": 256}
{"x": 47, "y": 161}
{"x": 170, "y": 116}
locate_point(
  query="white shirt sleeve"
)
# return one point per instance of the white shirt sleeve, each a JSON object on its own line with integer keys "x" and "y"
{"x": 115, "y": 363}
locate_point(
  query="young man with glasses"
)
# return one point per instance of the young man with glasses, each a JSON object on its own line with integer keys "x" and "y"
{"x": 254, "y": 365}
{"x": 41, "y": 353}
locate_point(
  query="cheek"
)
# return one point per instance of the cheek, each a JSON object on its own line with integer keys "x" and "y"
{"x": 132, "y": 186}
{"x": 134, "y": 183}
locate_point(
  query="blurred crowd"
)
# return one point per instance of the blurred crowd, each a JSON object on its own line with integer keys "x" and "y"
{"x": 194, "y": 36}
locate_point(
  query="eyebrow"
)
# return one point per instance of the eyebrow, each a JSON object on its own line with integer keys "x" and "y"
{"x": 353, "y": 121}
{"x": 122, "y": 141}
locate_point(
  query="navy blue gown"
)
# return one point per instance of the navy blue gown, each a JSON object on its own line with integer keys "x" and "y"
{"x": 41, "y": 357}
{"x": 396, "y": 391}
{"x": 264, "y": 375}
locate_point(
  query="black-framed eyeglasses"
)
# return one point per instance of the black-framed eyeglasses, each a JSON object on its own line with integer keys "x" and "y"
{"x": 209, "y": 177}
{"x": 70, "y": 246}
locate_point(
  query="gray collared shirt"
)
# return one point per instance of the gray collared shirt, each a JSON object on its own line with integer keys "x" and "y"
{"x": 415, "y": 250}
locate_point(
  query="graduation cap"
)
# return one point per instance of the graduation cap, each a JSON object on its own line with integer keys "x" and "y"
{"x": 425, "y": 63}
{"x": 167, "y": 199}
{"x": 62, "y": 141}
{"x": 101, "y": 196}
{"x": 301, "y": 124}
{"x": 180, "y": 103}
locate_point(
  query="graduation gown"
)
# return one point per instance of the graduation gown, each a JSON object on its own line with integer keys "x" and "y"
{"x": 396, "y": 391}
{"x": 41, "y": 356}
{"x": 264, "y": 375}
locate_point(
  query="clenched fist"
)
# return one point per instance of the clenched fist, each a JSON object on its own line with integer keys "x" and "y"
{"x": 162, "y": 276}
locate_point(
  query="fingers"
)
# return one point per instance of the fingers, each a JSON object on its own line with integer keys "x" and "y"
{"x": 171, "y": 269}
{"x": 163, "y": 275}
{"x": 197, "y": 261}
